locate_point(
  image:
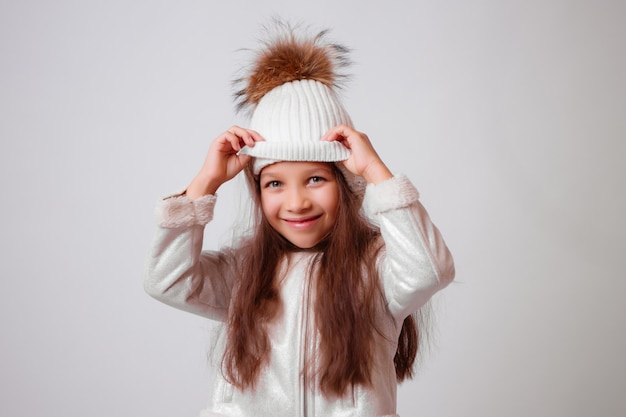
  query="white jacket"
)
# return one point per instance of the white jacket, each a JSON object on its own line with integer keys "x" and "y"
{"x": 414, "y": 264}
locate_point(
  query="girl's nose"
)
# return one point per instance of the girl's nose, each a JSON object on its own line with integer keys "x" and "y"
{"x": 297, "y": 200}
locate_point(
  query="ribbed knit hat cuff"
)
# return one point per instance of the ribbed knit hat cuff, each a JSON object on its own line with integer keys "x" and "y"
{"x": 267, "y": 153}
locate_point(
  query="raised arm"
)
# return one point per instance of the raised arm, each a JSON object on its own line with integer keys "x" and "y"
{"x": 416, "y": 262}
{"x": 177, "y": 271}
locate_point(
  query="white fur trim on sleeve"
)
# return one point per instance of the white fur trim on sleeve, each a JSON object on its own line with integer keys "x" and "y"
{"x": 180, "y": 211}
{"x": 395, "y": 193}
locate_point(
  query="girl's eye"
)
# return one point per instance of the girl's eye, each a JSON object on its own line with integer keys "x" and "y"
{"x": 273, "y": 184}
{"x": 316, "y": 180}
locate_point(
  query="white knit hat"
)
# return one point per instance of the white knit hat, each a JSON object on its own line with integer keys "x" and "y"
{"x": 292, "y": 118}
{"x": 290, "y": 87}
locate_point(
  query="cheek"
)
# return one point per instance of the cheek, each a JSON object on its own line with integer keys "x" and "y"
{"x": 268, "y": 204}
{"x": 331, "y": 200}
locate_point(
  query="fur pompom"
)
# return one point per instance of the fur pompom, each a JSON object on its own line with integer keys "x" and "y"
{"x": 288, "y": 54}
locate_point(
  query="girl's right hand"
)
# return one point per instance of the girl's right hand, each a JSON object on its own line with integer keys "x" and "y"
{"x": 222, "y": 162}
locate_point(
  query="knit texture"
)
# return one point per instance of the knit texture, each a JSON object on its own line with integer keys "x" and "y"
{"x": 292, "y": 119}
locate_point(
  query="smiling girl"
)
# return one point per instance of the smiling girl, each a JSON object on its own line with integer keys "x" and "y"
{"x": 318, "y": 303}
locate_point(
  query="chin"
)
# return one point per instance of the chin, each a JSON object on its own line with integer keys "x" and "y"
{"x": 306, "y": 244}
{"x": 303, "y": 245}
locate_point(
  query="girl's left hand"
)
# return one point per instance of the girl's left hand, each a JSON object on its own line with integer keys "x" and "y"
{"x": 363, "y": 161}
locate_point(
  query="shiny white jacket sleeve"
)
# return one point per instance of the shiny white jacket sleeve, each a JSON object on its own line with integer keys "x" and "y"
{"x": 177, "y": 271}
{"x": 415, "y": 262}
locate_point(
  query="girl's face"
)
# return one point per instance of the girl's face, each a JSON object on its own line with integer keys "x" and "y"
{"x": 300, "y": 200}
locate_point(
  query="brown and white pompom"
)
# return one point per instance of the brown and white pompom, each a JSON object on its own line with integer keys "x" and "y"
{"x": 290, "y": 53}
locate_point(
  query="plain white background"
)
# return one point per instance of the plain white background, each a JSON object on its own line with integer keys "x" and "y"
{"x": 507, "y": 115}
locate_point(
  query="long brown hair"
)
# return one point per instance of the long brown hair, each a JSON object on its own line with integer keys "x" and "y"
{"x": 348, "y": 294}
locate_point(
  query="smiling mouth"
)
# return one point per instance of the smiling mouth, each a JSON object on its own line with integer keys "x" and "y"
{"x": 302, "y": 223}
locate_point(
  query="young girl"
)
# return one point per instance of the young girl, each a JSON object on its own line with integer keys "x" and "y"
{"x": 318, "y": 301}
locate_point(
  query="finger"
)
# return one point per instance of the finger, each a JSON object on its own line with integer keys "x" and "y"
{"x": 248, "y": 136}
{"x": 256, "y": 136}
{"x": 331, "y": 135}
{"x": 235, "y": 136}
{"x": 338, "y": 133}
{"x": 222, "y": 143}
{"x": 234, "y": 140}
